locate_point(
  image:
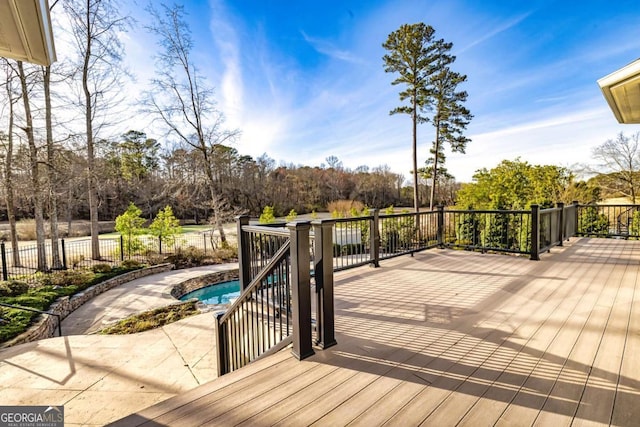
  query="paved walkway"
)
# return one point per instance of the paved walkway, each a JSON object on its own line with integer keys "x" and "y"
{"x": 145, "y": 293}
{"x": 101, "y": 378}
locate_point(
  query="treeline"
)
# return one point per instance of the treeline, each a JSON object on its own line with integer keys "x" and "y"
{"x": 136, "y": 170}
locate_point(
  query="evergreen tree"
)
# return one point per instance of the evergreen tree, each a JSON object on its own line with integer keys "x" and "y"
{"x": 450, "y": 117}
{"x": 411, "y": 54}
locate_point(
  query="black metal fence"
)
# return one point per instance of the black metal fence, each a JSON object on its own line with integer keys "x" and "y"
{"x": 21, "y": 262}
{"x": 496, "y": 231}
{"x": 618, "y": 221}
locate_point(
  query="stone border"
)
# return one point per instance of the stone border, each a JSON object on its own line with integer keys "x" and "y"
{"x": 195, "y": 283}
{"x": 47, "y": 325}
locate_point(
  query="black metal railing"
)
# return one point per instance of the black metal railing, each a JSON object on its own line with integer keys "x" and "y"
{"x": 274, "y": 308}
{"x": 339, "y": 244}
{"x": 406, "y": 233}
{"x": 619, "y": 221}
{"x": 33, "y": 310}
{"x": 352, "y": 242}
{"x": 496, "y": 231}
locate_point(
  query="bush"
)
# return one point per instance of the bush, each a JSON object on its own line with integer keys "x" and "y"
{"x": 225, "y": 254}
{"x": 189, "y": 257}
{"x": 13, "y": 288}
{"x": 67, "y": 278}
{"x": 344, "y": 208}
{"x": 131, "y": 264}
{"x": 292, "y": 215}
{"x": 101, "y": 268}
{"x": 155, "y": 258}
{"x": 267, "y": 216}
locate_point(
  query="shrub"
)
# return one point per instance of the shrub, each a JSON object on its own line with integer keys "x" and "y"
{"x": 344, "y": 208}
{"x": 225, "y": 254}
{"x": 267, "y": 216}
{"x": 154, "y": 258}
{"x": 131, "y": 264}
{"x": 67, "y": 278}
{"x": 292, "y": 215}
{"x": 189, "y": 257}
{"x": 13, "y": 288}
{"x": 101, "y": 268}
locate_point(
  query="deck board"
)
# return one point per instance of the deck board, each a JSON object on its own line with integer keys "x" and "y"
{"x": 453, "y": 338}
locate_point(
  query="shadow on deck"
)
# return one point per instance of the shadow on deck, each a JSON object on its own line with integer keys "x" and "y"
{"x": 453, "y": 338}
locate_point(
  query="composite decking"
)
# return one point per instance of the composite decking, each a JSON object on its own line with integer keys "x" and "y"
{"x": 453, "y": 338}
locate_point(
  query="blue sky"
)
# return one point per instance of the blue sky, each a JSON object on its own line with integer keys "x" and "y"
{"x": 304, "y": 80}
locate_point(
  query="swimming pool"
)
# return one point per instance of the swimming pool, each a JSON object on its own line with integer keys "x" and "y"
{"x": 220, "y": 293}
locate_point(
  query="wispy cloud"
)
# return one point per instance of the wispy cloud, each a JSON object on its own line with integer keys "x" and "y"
{"x": 500, "y": 28}
{"x": 329, "y": 49}
{"x": 231, "y": 85}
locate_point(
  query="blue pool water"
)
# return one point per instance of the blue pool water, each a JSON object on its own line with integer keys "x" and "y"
{"x": 220, "y": 293}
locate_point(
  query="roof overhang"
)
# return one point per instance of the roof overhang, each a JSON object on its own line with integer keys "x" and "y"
{"x": 25, "y": 31}
{"x": 621, "y": 89}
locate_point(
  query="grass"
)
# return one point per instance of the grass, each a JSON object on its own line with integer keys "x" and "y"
{"x": 42, "y": 295}
{"x": 152, "y": 319}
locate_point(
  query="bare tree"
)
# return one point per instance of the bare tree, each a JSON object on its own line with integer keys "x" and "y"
{"x": 181, "y": 98}
{"x": 95, "y": 25}
{"x": 36, "y": 182}
{"x": 620, "y": 162}
{"x": 7, "y": 141}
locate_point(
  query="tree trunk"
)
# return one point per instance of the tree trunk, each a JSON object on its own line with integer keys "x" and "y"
{"x": 38, "y": 206}
{"x": 416, "y": 197}
{"x": 56, "y": 262}
{"x": 8, "y": 182}
{"x": 434, "y": 171}
{"x": 91, "y": 180}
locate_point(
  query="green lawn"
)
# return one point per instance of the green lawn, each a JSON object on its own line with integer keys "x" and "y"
{"x": 185, "y": 230}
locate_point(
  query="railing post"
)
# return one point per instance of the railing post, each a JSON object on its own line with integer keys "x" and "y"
{"x": 64, "y": 254}
{"x": 374, "y": 238}
{"x": 244, "y": 257}
{"x": 160, "y": 245}
{"x": 301, "y": 289}
{"x": 323, "y": 273}
{"x": 535, "y": 232}
{"x": 561, "y": 224}
{"x": 121, "y": 248}
{"x": 3, "y": 250}
{"x": 440, "y": 232}
{"x": 222, "y": 349}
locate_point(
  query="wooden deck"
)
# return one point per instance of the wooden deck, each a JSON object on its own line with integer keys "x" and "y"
{"x": 453, "y": 338}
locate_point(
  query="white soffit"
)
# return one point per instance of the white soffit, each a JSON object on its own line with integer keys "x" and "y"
{"x": 621, "y": 89}
{"x": 25, "y": 31}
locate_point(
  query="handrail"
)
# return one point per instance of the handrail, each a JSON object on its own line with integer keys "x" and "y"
{"x": 19, "y": 307}
{"x": 275, "y": 302}
{"x": 273, "y": 231}
{"x": 268, "y": 269}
